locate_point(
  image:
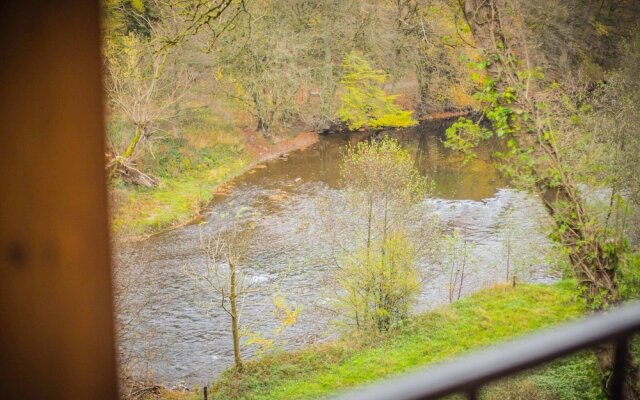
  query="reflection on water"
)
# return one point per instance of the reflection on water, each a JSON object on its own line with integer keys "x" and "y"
{"x": 183, "y": 342}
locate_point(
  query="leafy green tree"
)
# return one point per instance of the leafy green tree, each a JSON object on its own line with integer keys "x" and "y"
{"x": 364, "y": 103}
{"x": 378, "y": 280}
{"x": 526, "y": 111}
{"x": 538, "y": 116}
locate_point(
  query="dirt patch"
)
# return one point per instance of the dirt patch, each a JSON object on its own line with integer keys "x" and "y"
{"x": 446, "y": 115}
{"x": 262, "y": 149}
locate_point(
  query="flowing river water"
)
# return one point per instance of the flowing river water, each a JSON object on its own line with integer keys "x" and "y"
{"x": 170, "y": 331}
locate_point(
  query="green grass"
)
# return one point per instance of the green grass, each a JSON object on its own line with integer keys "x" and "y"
{"x": 175, "y": 201}
{"x": 488, "y": 317}
{"x": 574, "y": 378}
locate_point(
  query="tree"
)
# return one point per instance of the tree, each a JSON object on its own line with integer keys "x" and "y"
{"x": 529, "y": 112}
{"x": 140, "y": 91}
{"x": 515, "y": 101}
{"x": 224, "y": 275}
{"x": 264, "y": 66}
{"x": 364, "y": 103}
{"x": 135, "y": 286}
{"x": 377, "y": 278}
{"x": 611, "y": 127}
{"x": 456, "y": 260}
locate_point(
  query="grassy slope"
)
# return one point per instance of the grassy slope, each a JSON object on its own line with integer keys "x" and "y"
{"x": 488, "y": 317}
{"x": 190, "y": 166}
{"x": 176, "y": 201}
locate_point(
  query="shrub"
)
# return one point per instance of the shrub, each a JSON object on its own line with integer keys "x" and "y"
{"x": 364, "y": 103}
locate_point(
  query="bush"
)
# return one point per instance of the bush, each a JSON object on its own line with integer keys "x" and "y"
{"x": 364, "y": 103}
{"x": 378, "y": 281}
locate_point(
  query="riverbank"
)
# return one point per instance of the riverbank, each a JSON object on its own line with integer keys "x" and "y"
{"x": 183, "y": 195}
{"x": 181, "y": 199}
{"x": 487, "y": 317}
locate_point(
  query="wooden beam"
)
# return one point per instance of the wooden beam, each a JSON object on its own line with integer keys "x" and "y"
{"x": 56, "y": 322}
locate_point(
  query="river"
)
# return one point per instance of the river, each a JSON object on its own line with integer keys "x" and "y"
{"x": 170, "y": 331}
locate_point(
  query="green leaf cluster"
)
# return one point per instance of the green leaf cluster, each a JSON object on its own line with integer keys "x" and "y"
{"x": 465, "y": 135}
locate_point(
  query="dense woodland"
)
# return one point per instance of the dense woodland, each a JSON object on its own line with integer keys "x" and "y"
{"x": 188, "y": 88}
{"x": 194, "y": 87}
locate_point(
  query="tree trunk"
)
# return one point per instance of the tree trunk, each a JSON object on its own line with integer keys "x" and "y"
{"x": 134, "y": 143}
{"x": 328, "y": 85}
{"x": 176, "y": 104}
{"x": 122, "y": 166}
{"x": 233, "y": 299}
{"x": 263, "y": 127}
{"x": 605, "y": 358}
{"x": 422, "y": 75}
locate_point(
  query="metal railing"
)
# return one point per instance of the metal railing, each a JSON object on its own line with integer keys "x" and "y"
{"x": 467, "y": 375}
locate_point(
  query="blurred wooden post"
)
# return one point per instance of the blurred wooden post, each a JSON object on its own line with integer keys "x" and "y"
{"x": 56, "y": 322}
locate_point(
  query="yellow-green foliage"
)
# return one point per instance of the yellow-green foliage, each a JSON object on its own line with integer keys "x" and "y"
{"x": 364, "y": 103}
{"x": 383, "y": 170}
{"x": 286, "y": 315}
{"x": 138, "y": 5}
{"x": 379, "y": 280}
{"x": 379, "y": 287}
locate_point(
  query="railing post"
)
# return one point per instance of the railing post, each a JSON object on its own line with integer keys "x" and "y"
{"x": 619, "y": 367}
{"x": 204, "y": 391}
{"x": 472, "y": 394}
